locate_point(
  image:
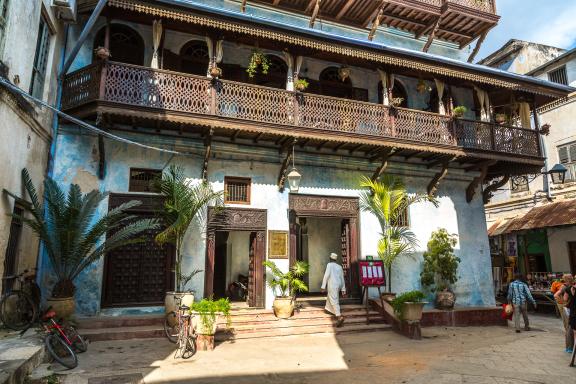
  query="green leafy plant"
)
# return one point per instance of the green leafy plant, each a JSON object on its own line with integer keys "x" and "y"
{"x": 287, "y": 284}
{"x": 459, "y": 111}
{"x": 440, "y": 264}
{"x": 407, "y": 297}
{"x": 258, "y": 60}
{"x": 73, "y": 234}
{"x": 184, "y": 203}
{"x": 208, "y": 310}
{"x": 388, "y": 200}
{"x": 301, "y": 84}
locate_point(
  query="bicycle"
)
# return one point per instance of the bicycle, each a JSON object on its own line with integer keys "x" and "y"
{"x": 62, "y": 342}
{"x": 180, "y": 330}
{"x": 19, "y": 307}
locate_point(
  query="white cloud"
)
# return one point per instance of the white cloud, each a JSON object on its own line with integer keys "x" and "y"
{"x": 559, "y": 31}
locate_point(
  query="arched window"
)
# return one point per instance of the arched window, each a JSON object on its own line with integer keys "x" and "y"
{"x": 331, "y": 84}
{"x": 194, "y": 58}
{"x": 433, "y": 105}
{"x": 126, "y": 45}
{"x": 398, "y": 91}
{"x": 277, "y": 74}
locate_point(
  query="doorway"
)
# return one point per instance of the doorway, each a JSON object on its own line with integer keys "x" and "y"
{"x": 138, "y": 274}
{"x": 236, "y": 246}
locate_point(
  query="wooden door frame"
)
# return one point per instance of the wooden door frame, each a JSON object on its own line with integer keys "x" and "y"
{"x": 343, "y": 207}
{"x": 238, "y": 219}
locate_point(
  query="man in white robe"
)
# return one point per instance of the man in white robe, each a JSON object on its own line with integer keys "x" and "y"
{"x": 334, "y": 282}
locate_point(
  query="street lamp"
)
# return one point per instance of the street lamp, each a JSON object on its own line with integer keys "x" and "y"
{"x": 558, "y": 173}
{"x": 294, "y": 177}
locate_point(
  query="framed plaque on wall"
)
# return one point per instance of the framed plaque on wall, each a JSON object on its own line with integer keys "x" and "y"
{"x": 277, "y": 244}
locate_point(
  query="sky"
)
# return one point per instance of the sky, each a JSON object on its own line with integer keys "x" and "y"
{"x": 550, "y": 22}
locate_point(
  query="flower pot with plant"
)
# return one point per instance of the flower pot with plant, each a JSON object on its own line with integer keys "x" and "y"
{"x": 459, "y": 111}
{"x": 441, "y": 267}
{"x": 388, "y": 200}
{"x": 408, "y": 306}
{"x": 215, "y": 71}
{"x": 258, "y": 61}
{"x": 396, "y": 101}
{"x": 301, "y": 85}
{"x": 184, "y": 203}
{"x": 102, "y": 53}
{"x": 73, "y": 236}
{"x": 285, "y": 286}
{"x": 501, "y": 118}
{"x": 206, "y": 315}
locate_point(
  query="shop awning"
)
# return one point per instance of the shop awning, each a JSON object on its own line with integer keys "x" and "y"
{"x": 561, "y": 213}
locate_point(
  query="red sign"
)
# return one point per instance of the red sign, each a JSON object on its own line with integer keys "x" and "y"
{"x": 371, "y": 273}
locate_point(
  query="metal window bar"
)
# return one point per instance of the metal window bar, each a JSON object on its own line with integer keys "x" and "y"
{"x": 558, "y": 76}
{"x": 40, "y": 60}
{"x": 141, "y": 180}
{"x": 237, "y": 191}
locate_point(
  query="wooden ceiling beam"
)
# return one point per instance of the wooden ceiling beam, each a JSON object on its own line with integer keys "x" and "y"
{"x": 373, "y": 14}
{"x": 344, "y": 9}
{"x": 355, "y": 148}
{"x": 337, "y": 147}
{"x": 257, "y": 137}
{"x": 276, "y": 2}
{"x": 480, "y": 165}
{"x": 376, "y": 22}
{"x": 431, "y": 36}
{"x": 322, "y": 144}
{"x": 315, "y": 13}
{"x": 427, "y": 28}
{"x": 243, "y": 6}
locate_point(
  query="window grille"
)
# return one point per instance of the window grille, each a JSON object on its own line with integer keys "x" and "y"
{"x": 40, "y": 60}
{"x": 237, "y": 190}
{"x": 558, "y": 76}
{"x": 403, "y": 219}
{"x": 519, "y": 184}
{"x": 567, "y": 157}
{"x": 142, "y": 180}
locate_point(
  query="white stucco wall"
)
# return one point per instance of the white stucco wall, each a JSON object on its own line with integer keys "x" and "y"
{"x": 237, "y": 256}
{"x": 323, "y": 238}
{"x": 558, "y": 239}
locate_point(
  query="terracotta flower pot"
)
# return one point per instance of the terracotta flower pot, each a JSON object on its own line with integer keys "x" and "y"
{"x": 445, "y": 299}
{"x": 215, "y": 72}
{"x": 205, "y": 342}
{"x": 63, "y": 306}
{"x": 412, "y": 312}
{"x": 283, "y": 307}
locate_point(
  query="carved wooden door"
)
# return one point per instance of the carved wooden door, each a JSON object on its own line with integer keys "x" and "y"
{"x": 138, "y": 274}
{"x": 345, "y": 251}
{"x": 256, "y": 272}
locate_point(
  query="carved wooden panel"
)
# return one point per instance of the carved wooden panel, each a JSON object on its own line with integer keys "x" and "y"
{"x": 480, "y": 5}
{"x": 331, "y": 206}
{"x": 242, "y": 219}
{"x": 81, "y": 86}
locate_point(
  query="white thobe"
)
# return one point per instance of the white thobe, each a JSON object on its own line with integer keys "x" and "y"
{"x": 334, "y": 282}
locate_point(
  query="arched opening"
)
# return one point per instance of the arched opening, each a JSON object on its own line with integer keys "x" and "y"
{"x": 433, "y": 104}
{"x": 398, "y": 91}
{"x": 194, "y": 58}
{"x": 126, "y": 45}
{"x": 277, "y": 74}
{"x": 332, "y": 85}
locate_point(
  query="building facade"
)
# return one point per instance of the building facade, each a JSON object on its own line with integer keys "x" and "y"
{"x": 30, "y": 49}
{"x": 543, "y": 245}
{"x": 375, "y": 104}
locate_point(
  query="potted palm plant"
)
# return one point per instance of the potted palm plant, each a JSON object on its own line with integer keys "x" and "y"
{"x": 206, "y": 313}
{"x": 285, "y": 286}
{"x": 441, "y": 267}
{"x": 184, "y": 203}
{"x": 388, "y": 200}
{"x": 72, "y": 234}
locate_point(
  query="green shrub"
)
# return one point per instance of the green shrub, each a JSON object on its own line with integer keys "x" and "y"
{"x": 440, "y": 264}
{"x": 208, "y": 310}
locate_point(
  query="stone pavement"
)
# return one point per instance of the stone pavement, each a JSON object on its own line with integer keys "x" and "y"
{"x": 19, "y": 355}
{"x": 494, "y": 355}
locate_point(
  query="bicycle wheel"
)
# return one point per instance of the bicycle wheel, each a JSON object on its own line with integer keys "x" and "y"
{"x": 78, "y": 343}
{"x": 17, "y": 311}
{"x": 189, "y": 347}
{"x": 171, "y": 331}
{"x": 60, "y": 351}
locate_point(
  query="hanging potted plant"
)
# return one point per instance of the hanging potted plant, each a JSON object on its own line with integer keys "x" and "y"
{"x": 102, "y": 53}
{"x": 285, "y": 287}
{"x": 301, "y": 85}
{"x": 258, "y": 60}
{"x": 501, "y": 118}
{"x": 408, "y": 306}
{"x": 206, "y": 315}
{"x": 343, "y": 73}
{"x": 184, "y": 204}
{"x": 396, "y": 101}
{"x": 441, "y": 267}
{"x": 422, "y": 87}
{"x": 459, "y": 111}
{"x": 73, "y": 235}
{"x": 388, "y": 200}
{"x": 215, "y": 71}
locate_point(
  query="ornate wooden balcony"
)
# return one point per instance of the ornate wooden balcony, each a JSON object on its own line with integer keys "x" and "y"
{"x": 127, "y": 89}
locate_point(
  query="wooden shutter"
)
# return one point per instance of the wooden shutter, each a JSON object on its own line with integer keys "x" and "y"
{"x": 563, "y": 155}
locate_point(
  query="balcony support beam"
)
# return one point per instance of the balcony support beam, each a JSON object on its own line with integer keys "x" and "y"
{"x": 243, "y": 6}
{"x": 432, "y": 35}
{"x": 427, "y": 28}
{"x": 478, "y": 180}
{"x": 376, "y": 22}
{"x": 385, "y": 157}
{"x": 207, "y": 151}
{"x": 344, "y": 9}
{"x": 433, "y": 185}
{"x": 489, "y": 191}
{"x": 315, "y": 12}
{"x": 284, "y": 166}
{"x": 477, "y": 47}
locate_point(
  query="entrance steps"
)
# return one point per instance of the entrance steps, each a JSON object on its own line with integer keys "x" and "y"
{"x": 245, "y": 323}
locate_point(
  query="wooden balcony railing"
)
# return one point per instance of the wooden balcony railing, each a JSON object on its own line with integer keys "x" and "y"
{"x": 487, "y": 6}
{"x": 158, "y": 89}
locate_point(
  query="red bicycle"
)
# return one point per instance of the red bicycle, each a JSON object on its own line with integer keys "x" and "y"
{"x": 62, "y": 342}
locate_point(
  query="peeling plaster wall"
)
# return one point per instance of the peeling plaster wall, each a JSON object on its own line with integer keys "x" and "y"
{"x": 76, "y": 163}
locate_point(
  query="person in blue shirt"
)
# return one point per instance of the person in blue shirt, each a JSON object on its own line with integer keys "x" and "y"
{"x": 519, "y": 295}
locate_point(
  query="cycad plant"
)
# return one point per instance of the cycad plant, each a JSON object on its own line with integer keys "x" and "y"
{"x": 72, "y": 233}
{"x": 184, "y": 203}
{"x": 388, "y": 200}
{"x": 287, "y": 284}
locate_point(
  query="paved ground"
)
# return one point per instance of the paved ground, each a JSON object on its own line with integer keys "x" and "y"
{"x": 445, "y": 356}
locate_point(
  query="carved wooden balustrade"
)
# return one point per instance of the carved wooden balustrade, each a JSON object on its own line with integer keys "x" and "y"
{"x": 487, "y": 6}
{"x": 130, "y": 85}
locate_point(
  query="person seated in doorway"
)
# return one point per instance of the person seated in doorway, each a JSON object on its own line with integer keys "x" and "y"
{"x": 563, "y": 307}
{"x": 519, "y": 295}
{"x": 334, "y": 282}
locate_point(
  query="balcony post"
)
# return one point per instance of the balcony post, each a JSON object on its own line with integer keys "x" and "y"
{"x": 537, "y": 129}
{"x": 492, "y": 137}
{"x": 296, "y": 108}
{"x": 103, "y": 75}
{"x": 213, "y": 96}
